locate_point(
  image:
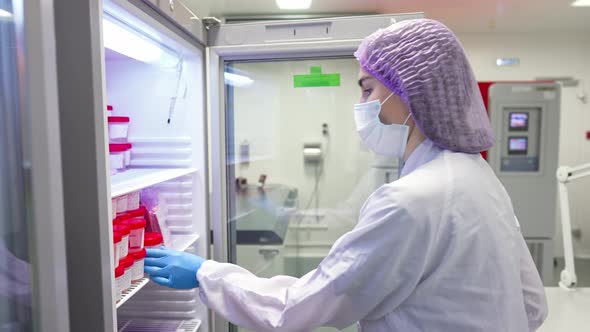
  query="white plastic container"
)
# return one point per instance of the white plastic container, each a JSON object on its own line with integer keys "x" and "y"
{"x": 128, "y": 154}
{"x": 122, "y": 202}
{"x": 117, "y": 238}
{"x": 118, "y": 128}
{"x": 138, "y": 262}
{"x": 152, "y": 240}
{"x": 114, "y": 208}
{"x": 119, "y": 285}
{"x": 124, "y": 244}
{"x": 117, "y": 157}
{"x": 136, "y": 234}
{"x": 127, "y": 263}
{"x": 133, "y": 201}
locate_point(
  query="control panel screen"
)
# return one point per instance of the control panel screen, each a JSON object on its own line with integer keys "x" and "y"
{"x": 518, "y": 145}
{"x": 519, "y": 121}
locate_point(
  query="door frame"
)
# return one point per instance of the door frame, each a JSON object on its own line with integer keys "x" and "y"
{"x": 82, "y": 92}
{"x": 258, "y": 41}
{"x": 42, "y": 165}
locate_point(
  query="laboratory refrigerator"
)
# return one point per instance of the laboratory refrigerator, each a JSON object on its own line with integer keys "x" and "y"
{"x": 165, "y": 72}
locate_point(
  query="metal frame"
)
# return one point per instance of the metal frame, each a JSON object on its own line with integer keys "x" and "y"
{"x": 199, "y": 36}
{"x": 217, "y": 178}
{"x": 40, "y": 106}
{"x": 322, "y": 30}
{"x": 284, "y": 17}
{"x": 217, "y": 156}
{"x": 87, "y": 193}
{"x": 207, "y": 171}
{"x": 217, "y": 55}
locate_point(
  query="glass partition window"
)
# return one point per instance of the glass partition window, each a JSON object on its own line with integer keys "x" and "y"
{"x": 298, "y": 173}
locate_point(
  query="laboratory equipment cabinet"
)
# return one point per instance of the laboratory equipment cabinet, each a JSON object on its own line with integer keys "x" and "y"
{"x": 171, "y": 77}
{"x": 525, "y": 118}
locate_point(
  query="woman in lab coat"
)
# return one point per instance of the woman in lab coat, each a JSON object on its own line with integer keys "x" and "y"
{"x": 437, "y": 250}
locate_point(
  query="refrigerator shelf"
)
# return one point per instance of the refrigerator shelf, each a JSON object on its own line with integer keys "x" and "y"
{"x": 139, "y": 178}
{"x": 163, "y": 325}
{"x": 135, "y": 287}
{"x": 184, "y": 241}
{"x": 179, "y": 242}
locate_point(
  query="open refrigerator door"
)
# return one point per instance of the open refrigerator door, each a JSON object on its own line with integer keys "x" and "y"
{"x": 156, "y": 126}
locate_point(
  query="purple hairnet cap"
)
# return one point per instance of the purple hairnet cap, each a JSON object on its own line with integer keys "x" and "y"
{"x": 423, "y": 62}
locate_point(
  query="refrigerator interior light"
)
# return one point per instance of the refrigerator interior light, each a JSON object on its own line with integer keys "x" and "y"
{"x": 5, "y": 14}
{"x": 131, "y": 43}
{"x": 294, "y": 4}
{"x": 581, "y": 3}
{"x": 237, "y": 80}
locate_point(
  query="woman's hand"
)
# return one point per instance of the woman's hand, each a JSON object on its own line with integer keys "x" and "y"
{"x": 172, "y": 268}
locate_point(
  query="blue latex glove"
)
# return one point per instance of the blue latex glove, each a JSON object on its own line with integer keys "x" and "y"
{"x": 172, "y": 268}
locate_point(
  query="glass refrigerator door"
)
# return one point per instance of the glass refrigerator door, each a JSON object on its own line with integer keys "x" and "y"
{"x": 33, "y": 294}
{"x": 138, "y": 107}
{"x": 295, "y": 171}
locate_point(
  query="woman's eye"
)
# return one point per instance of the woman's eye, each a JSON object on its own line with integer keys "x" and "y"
{"x": 367, "y": 93}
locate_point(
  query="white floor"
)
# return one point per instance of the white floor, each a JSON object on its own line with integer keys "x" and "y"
{"x": 569, "y": 310}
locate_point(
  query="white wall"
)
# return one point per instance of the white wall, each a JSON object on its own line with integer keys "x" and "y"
{"x": 547, "y": 55}
{"x": 277, "y": 119}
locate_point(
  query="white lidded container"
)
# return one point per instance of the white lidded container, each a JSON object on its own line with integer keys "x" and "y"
{"x": 118, "y": 128}
{"x": 119, "y": 282}
{"x": 128, "y": 154}
{"x": 133, "y": 201}
{"x": 127, "y": 263}
{"x": 136, "y": 233}
{"x": 124, "y": 244}
{"x": 117, "y": 238}
{"x": 117, "y": 155}
{"x": 138, "y": 263}
{"x": 114, "y": 208}
{"x": 121, "y": 203}
{"x": 153, "y": 240}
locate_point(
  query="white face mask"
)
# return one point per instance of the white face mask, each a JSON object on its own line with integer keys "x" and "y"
{"x": 387, "y": 140}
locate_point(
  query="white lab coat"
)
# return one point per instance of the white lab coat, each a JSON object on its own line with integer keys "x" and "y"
{"x": 436, "y": 250}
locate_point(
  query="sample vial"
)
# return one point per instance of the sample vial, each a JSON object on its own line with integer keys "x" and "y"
{"x": 127, "y": 263}
{"x": 117, "y": 157}
{"x": 119, "y": 282}
{"x": 128, "y": 154}
{"x": 136, "y": 235}
{"x": 124, "y": 245}
{"x": 153, "y": 240}
{"x": 122, "y": 202}
{"x": 114, "y": 208}
{"x": 118, "y": 128}
{"x": 133, "y": 201}
{"x": 139, "y": 212}
{"x": 138, "y": 262}
{"x": 116, "y": 247}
